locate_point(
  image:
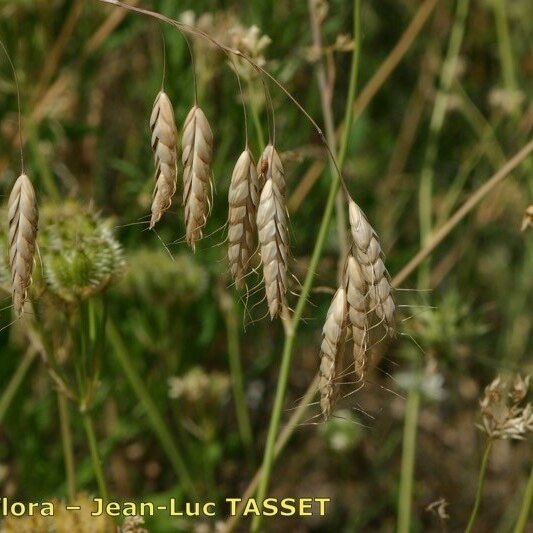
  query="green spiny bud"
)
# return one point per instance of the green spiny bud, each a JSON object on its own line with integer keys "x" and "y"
{"x": 79, "y": 251}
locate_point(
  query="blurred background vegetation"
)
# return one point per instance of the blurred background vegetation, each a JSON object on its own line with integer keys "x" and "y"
{"x": 88, "y": 76}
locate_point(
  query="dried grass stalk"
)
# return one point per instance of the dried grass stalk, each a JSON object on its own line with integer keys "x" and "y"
{"x": 197, "y": 146}
{"x": 333, "y": 335}
{"x": 270, "y": 167}
{"x": 164, "y": 138}
{"x": 243, "y": 198}
{"x": 273, "y": 240}
{"x": 23, "y": 223}
{"x": 370, "y": 257}
{"x": 356, "y": 296}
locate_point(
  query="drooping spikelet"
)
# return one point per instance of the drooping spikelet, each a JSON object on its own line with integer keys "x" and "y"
{"x": 23, "y": 222}
{"x": 164, "y": 139}
{"x": 370, "y": 257}
{"x": 333, "y": 334}
{"x": 243, "y": 199}
{"x": 197, "y": 146}
{"x": 356, "y": 296}
{"x": 273, "y": 239}
{"x": 270, "y": 167}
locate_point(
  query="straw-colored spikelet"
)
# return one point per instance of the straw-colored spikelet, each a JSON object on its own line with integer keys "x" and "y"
{"x": 333, "y": 335}
{"x": 197, "y": 146}
{"x": 243, "y": 198}
{"x": 369, "y": 255}
{"x": 23, "y": 222}
{"x": 270, "y": 167}
{"x": 273, "y": 239}
{"x": 356, "y": 296}
{"x": 164, "y": 138}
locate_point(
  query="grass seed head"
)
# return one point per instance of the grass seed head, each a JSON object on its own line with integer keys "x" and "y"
{"x": 333, "y": 335}
{"x": 197, "y": 147}
{"x": 243, "y": 198}
{"x": 270, "y": 167}
{"x": 357, "y": 303}
{"x": 164, "y": 138}
{"x": 274, "y": 243}
{"x": 367, "y": 251}
{"x": 23, "y": 218}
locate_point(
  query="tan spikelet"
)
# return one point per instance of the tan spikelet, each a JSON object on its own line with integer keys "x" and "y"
{"x": 333, "y": 334}
{"x": 197, "y": 147}
{"x": 370, "y": 257}
{"x": 356, "y": 297}
{"x": 270, "y": 167}
{"x": 164, "y": 138}
{"x": 23, "y": 222}
{"x": 273, "y": 240}
{"x": 243, "y": 198}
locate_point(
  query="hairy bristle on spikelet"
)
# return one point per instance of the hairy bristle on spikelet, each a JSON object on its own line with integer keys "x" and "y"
{"x": 273, "y": 240}
{"x": 333, "y": 334}
{"x": 197, "y": 147}
{"x": 270, "y": 167}
{"x": 23, "y": 222}
{"x": 356, "y": 297}
{"x": 368, "y": 253}
{"x": 164, "y": 138}
{"x": 243, "y": 198}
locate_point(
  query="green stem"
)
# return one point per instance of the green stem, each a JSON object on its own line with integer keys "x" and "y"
{"x": 42, "y": 166}
{"x": 255, "y": 115}
{"x": 408, "y": 461}
{"x": 95, "y": 455}
{"x": 425, "y": 193}
{"x": 15, "y": 382}
{"x": 155, "y": 418}
{"x": 292, "y": 328}
{"x": 480, "y": 483}
{"x": 525, "y": 508}
{"x": 66, "y": 438}
{"x": 243, "y": 420}
{"x": 504, "y": 45}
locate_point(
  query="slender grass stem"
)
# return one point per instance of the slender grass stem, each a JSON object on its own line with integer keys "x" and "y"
{"x": 281, "y": 441}
{"x": 255, "y": 115}
{"x": 42, "y": 166}
{"x": 326, "y": 89}
{"x": 425, "y": 213}
{"x": 504, "y": 45}
{"x": 241, "y": 410}
{"x": 291, "y": 329}
{"x": 425, "y": 193}
{"x": 15, "y": 382}
{"x": 408, "y": 461}
{"x": 525, "y": 508}
{"x": 480, "y": 484}
{"x": 66, "y": 439}
{"x": 156, "y": 420}
{"x": 95, "y": 455}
